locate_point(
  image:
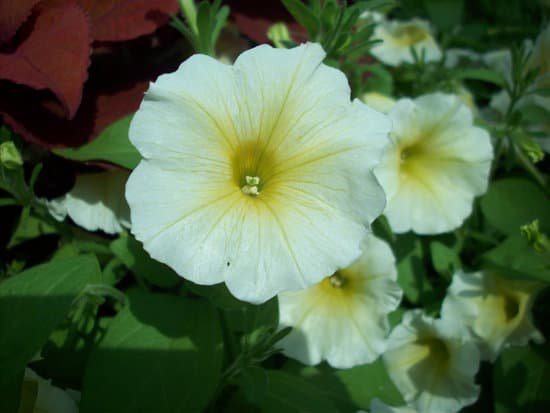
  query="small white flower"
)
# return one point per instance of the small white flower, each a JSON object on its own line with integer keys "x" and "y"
{"x": 377, "y": 406}
{"x": 497, "y": 310}
{"x": 398, "y": 38}
{"x": 96, "y": 202}
{"x": 433, "y": 363}
{"x": 437, "y": 163}
{"x": 45, "y": 398}
{"x": 257, "y": 174}
{"x": 343, "y": 319}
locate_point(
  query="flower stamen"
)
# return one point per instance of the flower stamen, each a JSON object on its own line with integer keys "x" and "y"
{"x": 251, "y": 187}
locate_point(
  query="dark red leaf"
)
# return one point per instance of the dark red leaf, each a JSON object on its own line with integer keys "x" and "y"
{"x": 53, "y": 52}
{"x": 12, "y": 15}
{"x": 118, "y": 20}
{"x": 119, "y": 76}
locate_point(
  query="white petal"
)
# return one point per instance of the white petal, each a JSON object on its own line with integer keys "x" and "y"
{"x": 437, "y": 164}
{"x": 397, "y": 39}
{"x": 307, "y": 154}
{"x": 495, "y": 309}
{"x": 346, "y": 326}
{"x": 432, "y": 363}
{"x": 96, "y": 202}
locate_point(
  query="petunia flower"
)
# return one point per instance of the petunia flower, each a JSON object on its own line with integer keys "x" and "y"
{"x": 257, "y": 174}
{"x": 41, "y": 396}
{"x": 343, "y": 319}
{"x": 437, "y": 163}
{"x": 96, "y": 202}
{"x": 432, "y": 363}
{"x": 496, "y": 309}
{"x": 399, "y": 37}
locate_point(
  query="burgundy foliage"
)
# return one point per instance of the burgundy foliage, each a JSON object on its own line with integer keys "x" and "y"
{"x": 69, "y": 68}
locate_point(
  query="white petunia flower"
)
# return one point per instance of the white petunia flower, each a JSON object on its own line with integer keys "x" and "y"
{"x": 432, "y": 363}
{"x": 437, "y": 163}
{"x": 44, "y": 397}
{"x": 497, "y": 310}
{"x": 257, "y": 174}
{"x": 343, "y": 319}
{"x": 96, "y": 202}
{"x": 398, "y": 38}
{"x": 377, "y": 406}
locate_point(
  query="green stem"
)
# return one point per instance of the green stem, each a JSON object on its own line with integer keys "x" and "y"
{"x": 531, "y": 168}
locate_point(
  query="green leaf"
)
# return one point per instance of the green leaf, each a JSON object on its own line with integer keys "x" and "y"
{"x": 411, "y": 273}
{"x": 112, "y": 145}
{"x": 444, "y": 259}
{"x": 485, "y": 75}
{"x": 515, "y": 257}
{"x": 33, "y": 303}
{"x": 30, "y": 227}
{"x": 512, "y": 202}
{"x": 445, "y": 14}
{"x": 368, "y": 381}
{"x": 160, "y": 354}
{"x": 303, "y": 15}
{"x": 131, "y": 253}
{"x": 325, "y": 379}
{"x": 521, "y": 377}
{"x": 291, "y": 394}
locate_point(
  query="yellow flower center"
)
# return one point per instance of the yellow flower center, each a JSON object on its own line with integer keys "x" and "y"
{"x": 409, "y": 35}
{"x": 437, "y": 350}
{"x": 251, "y": 167}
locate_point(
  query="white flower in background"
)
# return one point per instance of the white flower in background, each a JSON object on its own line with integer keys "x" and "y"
{"x": 257, "y": 174}
{"x": 377, "y": 406}
{"x": 433, "y": 363}
{"x": 96, "y": 202}
{"x": 398, "y": 38}
{"x": 501, "y": 62}
{"x": 343, "y": 319}
{"x": 437, "y": 163}
{"x": 39, "y": 395}
{"x": 378, "y": 101}
{"x": 497, "y": 310}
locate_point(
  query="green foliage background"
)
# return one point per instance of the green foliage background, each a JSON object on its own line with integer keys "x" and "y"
{"x": 132, "y": 336}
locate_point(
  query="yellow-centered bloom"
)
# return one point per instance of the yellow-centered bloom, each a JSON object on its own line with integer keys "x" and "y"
{"x": 433, "y": 363}
{"x": 257, "y": 174}
{"x": 343, "y": 319}
{"x": 399, "y": 37}
{"x": 497, "y": 310}
{"x": 437, "y": 163}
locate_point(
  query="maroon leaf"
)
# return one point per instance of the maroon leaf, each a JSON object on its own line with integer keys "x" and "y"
{"x": 117, "y": 20}
{"x": 53, "y": 53}
{"x": 119, "y": 76}
{"x": 12, "y": 15}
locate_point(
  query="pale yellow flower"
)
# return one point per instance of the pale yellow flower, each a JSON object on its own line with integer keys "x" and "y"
{"x": 257, "y": 174}
{"x": 399, "y": 37}
{"x": 496, "y": 309}
{"x": 433, "y": 363}
{"x": 437, "y": 163}
{"x": 343, "y": 319}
